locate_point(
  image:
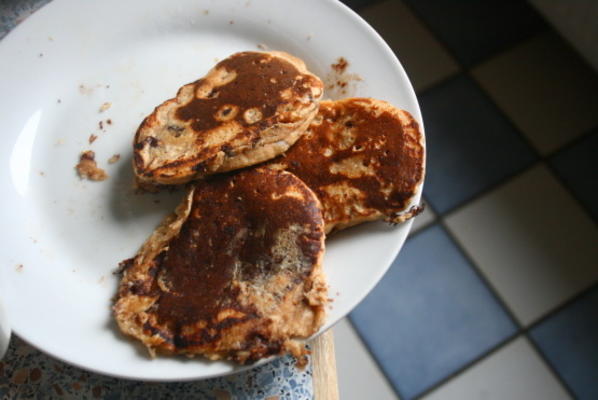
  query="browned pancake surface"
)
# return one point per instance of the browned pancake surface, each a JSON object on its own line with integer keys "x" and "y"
{"x": 249, "y": 108}
{"x": 240, "y": 278}
{"x": 363, "y": 158}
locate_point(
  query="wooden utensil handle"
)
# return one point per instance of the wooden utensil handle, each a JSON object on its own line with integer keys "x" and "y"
{"x": 325, "y": 380}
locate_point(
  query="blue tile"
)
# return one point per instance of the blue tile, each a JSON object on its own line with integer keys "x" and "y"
{"x": 475, "y": 30}
{"x": 576, "y": 166}
{"x": 569, "y": 340}
{"x": 430, "y": 315}
{"x": 471, "y": 145}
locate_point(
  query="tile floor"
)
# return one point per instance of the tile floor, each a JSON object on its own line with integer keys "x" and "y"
{"x": 495, "y": 294}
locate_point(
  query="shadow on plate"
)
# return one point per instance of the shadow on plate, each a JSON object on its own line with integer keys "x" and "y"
{"x": 127, "y": 204}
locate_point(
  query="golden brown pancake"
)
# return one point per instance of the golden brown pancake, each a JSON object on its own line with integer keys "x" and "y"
{"x": 363, "y": 158}
{"x": 249, "y": 108}
{"x": 235, "y": 274}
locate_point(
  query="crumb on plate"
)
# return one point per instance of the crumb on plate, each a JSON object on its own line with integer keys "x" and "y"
{"x": 87, "y": 168}
{"x": 114, "y": 159}
{"x": 105, "y": 106}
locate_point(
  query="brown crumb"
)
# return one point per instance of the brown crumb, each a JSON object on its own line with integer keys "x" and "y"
{"x": 101, "y": 124}
{"x": 42, "y": 173}
{"x": 206, "y": 12}
{"x": 50, "y": 38}
{"x": 105, "y": 106}
{"x": 19, "y": 267}
{"x": 341, "y": 65}
{"x": 261, "y": 46}
{"x": 339, "y": 83}
{"x": 231, "y": 22}
{"x": 114, "y": 159}
{"x": 87, "y": 168}
{"x": 109, "y": 121}
{"x": 92, "y": 138}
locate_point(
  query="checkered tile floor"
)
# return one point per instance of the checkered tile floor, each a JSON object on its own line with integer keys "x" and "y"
{"x": 495, "y": 294}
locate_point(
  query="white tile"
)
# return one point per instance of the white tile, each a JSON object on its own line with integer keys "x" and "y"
{"x": 546, "y": 90}
{"x": 532, "y": 241}
{"x": 424, "y": 219}
{"x": 424, "y": 59}
{"x": 358, "y": 375}
{"x": 513, "y": 372}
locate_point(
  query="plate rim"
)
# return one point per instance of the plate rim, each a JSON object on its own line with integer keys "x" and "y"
{"x": 30, "y": 22}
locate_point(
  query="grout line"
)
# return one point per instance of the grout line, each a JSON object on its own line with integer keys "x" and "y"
{"x": 547, "y": 28}
{"x": 519, "y": 330}
{"x": 374, "y": 358}
{"x": 483, "y": 192}
{"x": 526, "y": 140}
{"x": 560, "y": 307}
{"x": 523, "y": 330}
{"x": 572, "y": 143}
{"x": 550, "y": 367}
{"x": 443, "y": 81}
{"x": 467, "y": 71}
{"x": 422, "y": 229}
{"x": 563, "y": 182}
{"x": 493, "y": 292}
{"x": 488, "y": 353}
{"x": 539, "y": 159}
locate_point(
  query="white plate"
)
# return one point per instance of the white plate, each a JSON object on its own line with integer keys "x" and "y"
{"x": 62, "y": 237}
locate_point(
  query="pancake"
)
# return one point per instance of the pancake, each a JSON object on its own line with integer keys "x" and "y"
{"x": 249, "y": 108}
{"x": 235, "y": 273}
{"x": 363, "y": 158}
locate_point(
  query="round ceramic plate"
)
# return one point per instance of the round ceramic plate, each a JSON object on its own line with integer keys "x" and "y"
{"x": 64, "y": 237}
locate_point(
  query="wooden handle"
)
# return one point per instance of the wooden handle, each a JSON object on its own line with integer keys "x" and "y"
{"x": 324, "y": 367}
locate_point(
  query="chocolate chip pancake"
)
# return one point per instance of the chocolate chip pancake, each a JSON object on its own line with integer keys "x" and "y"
{"x": 363, "y": 158}
{"x": 235, "y": 273}
{"x": 249, "y": 108}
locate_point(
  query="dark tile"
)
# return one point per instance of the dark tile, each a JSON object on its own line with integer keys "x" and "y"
{"x": 359, "y": 4}
{"x": 474, "y": 30}
{"x": 430, "y": 315}
{"x": 471, "y": 145}
{"x": 576, "y": 166}
{"x": 569, "y": 340}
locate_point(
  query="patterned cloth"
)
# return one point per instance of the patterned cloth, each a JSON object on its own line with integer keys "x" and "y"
{"x": 26, "y": 373}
